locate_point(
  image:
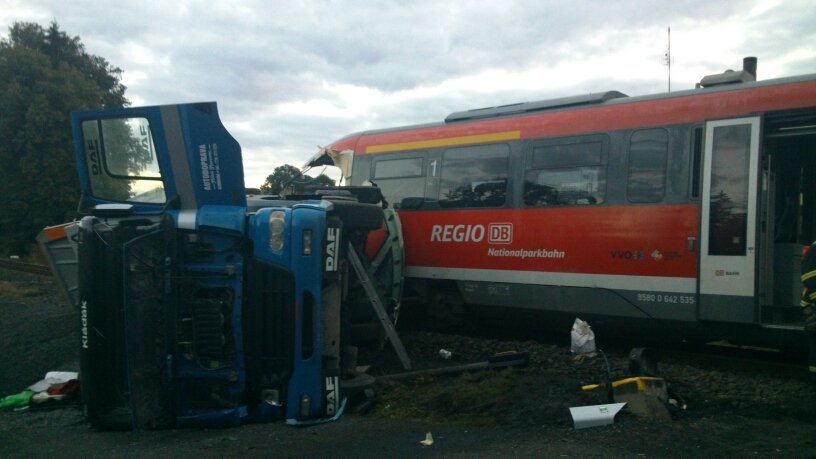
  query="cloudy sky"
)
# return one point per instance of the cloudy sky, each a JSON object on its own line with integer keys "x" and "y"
{"x": 291, "y": 75}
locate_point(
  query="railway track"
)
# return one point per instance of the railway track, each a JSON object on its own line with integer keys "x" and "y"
{"x": 25, "y": 267}
{"x": 715, "y": 356}
{"x": 722, "y": 357}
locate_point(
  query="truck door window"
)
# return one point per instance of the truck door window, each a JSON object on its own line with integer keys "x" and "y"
{"x": 121, "y": 160}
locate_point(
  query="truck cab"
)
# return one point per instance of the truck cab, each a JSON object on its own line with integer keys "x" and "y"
{"x": 197, "y": 307}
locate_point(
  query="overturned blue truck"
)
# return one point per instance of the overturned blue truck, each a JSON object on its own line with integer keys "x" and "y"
{"x": 201, "y": 306}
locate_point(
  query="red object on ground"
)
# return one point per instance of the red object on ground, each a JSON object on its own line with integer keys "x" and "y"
{"x": 66, "y": 388}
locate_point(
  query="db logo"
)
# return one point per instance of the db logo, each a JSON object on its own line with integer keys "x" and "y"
{"x": 500, "y": 233}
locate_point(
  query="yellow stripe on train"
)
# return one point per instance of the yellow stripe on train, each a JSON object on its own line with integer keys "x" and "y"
{"x": 447, "y": 142}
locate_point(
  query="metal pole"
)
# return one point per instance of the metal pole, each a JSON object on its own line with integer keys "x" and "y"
{"x": 377, "y": 304}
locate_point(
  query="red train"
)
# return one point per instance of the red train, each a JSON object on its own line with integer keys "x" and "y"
{"x": 688, "y": 208}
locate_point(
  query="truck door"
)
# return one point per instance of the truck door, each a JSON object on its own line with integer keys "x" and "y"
{"x": 175, "y": 155}
{"x": 728, "y": 246}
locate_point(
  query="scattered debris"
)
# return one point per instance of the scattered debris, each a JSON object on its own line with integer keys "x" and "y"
{"x": 16, "y": 400}
{"x": 55, "y": 387}
{"x": 500, "y": 360}
{"x": 428, "y": 441}
{"x": 52, "y": 378}
{"x": 645, "y": 396}
{"x": 594, "y": 415}
{"x": 583, "y": 340}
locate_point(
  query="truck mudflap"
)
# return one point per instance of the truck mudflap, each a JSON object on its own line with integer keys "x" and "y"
{"x": 59, "y": 246}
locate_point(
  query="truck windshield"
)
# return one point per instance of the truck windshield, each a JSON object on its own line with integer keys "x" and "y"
{"x": 121, "y": 160}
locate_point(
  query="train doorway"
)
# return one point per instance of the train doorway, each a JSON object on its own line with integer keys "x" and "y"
{"x": 788, "y": 211}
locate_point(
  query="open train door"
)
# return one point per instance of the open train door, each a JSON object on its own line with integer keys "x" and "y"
{"x": 728, "y": 232}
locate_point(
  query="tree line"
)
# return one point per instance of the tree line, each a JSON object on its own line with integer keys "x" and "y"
{"x": 288, "y": 179}
{"x": 44, "y": 75}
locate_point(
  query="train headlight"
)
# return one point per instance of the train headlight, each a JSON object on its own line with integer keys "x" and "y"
{"x": 276, "y": 230}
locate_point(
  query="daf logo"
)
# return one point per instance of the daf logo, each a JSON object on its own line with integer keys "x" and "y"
{"x": 331, "y": 395}
{"x": 332, "y": 246}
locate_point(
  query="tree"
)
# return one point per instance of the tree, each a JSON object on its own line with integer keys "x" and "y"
{"x": 322, "y": 180}
{"x": 288, "y": 179}
{"x": 44, "y": 75}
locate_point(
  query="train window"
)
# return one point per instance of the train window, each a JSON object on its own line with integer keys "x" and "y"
{"x": 730, "y": 153}
{"x": 648, "y": 152}
{"x": 398, "y": 168}
{"x": 568, "y": 155}
{"x": 474, "y": 176}
{"x": 399, "y": 178}
{"x": 696, "y": 158}
{"x": 566, "y": 174}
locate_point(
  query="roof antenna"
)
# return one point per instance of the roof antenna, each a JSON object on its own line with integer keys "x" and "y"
{"x": 667, "y": 59}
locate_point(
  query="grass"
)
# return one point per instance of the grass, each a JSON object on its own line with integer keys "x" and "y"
{"x": 481, "y": 398}
{"x": 10, "y": 291}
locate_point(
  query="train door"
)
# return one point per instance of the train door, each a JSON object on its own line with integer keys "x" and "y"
{"x": 788, "y": 203}
{"x": 728, "y": 241}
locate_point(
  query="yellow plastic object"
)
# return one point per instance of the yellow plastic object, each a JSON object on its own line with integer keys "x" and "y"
{"x": 639, "y": 384}
{"x": 644, "y": 396}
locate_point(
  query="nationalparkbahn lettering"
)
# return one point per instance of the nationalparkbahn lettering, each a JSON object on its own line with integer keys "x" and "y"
{"x": 526, "y": 253}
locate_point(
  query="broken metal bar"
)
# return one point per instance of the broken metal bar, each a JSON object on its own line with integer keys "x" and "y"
{"x": 376, "y": 303}
{"x": 515, "y": 359}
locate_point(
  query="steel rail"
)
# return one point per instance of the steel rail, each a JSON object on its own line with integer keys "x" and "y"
{"x": 25, "y": 267}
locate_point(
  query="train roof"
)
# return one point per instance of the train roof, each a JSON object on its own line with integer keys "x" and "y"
{"x": 581, "y": 102}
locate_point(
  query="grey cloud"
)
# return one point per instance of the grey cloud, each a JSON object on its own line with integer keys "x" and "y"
{"x": 253, "y": 55}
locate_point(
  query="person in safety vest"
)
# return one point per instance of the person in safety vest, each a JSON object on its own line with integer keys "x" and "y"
{"x": 807, "y": 303}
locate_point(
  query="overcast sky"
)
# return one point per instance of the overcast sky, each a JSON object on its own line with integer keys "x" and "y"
{"x": 291, "y": 75}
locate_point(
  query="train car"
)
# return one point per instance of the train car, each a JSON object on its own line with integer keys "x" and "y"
{"x": 683, "y": 213}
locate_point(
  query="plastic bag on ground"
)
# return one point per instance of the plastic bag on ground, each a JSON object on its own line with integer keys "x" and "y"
{"x": 15, "y": 400}
{"x": 583, "y": 339}
{"x": 52, "y": 378}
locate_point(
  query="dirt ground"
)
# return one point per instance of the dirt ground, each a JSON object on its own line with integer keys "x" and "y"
{"x": 734, "y": 408}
